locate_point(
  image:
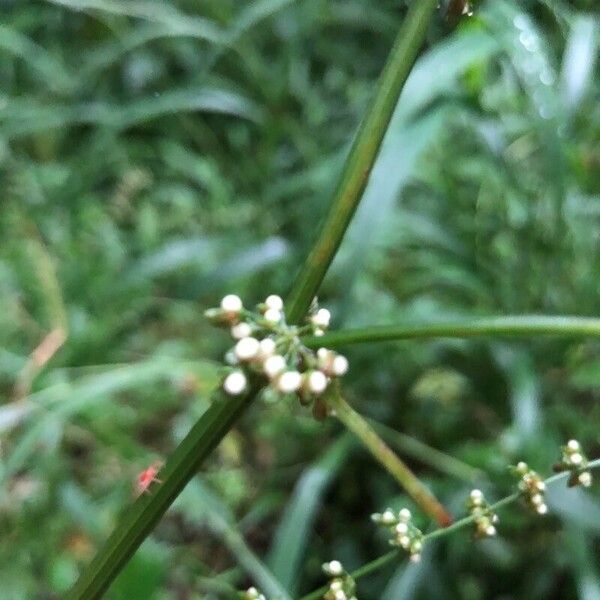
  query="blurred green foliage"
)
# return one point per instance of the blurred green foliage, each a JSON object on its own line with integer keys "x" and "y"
{"x": 154, "y": 156}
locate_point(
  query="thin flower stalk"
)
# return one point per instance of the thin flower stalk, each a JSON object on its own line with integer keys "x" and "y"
{"x": 386, "y": 457}
{"x": 466, "y": 522}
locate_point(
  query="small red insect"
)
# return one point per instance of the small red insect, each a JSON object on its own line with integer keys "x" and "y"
{"x": 147, "y": 477}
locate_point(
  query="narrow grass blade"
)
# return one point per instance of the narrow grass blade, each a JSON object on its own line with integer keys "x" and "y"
{"x": 426, "y": 454}
{"x": 200, "y": 503}
{"x": 22, "y": 117}
{"x": 292, "y": 535}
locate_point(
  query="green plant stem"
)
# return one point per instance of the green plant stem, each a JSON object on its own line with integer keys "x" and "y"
{"x": 385, "y": 559}
{"x": 384, "y": 455}
{"x": 361, "y": 159}
{"x": 505, "y": 326}
{"x": 216, "y": 422}
{"x": 146, "y": 511}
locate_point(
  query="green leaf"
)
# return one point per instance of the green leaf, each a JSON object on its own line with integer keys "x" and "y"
{"x": 199, "y": 503}
{"x": 293, "y": 533}
{"x": 24, "y": 117}
{"x": 153, "y": 11}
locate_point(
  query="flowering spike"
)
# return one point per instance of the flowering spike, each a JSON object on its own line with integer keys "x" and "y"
{"x": 532, "y": 487}
{"x": 574, "y": 460}
{"x": 267, "y": 346}
{"x": 484, "y": 518}
{"x": 405, "y": 534}
{"x": 342, "y": 586}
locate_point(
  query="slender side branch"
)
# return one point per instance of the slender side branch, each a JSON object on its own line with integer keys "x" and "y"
{"x": 382, "y": 452}
{"x": 503, "y": 326}
{"x": 385, "y": 559}
{"x": 361, "y": 159}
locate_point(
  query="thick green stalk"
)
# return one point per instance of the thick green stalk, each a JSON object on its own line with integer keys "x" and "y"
{"x": 505, "y": 326}
{"x": 147, "y": 510}
{"x": 216, "y": 422}
{"x": 385, "y": 559}
{"x": 361, "y": 159}
{"x": 387, "y": 457}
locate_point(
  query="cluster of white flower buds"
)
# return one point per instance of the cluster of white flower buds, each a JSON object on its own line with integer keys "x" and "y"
{"x": 405, "y": 534}
{"x": 532, "y": 486}
{"x": 341, "y": 586}
{"x": 574, "y": 460}
{"x": 267, "y": 346}
{"x": 484, "y": 518}
{"x": 252, "y": 594}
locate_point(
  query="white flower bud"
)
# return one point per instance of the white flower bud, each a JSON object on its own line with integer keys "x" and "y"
{"x": 405, "y": 515}
{"x": 537, "y": 499}
{"x": 542, "y": 509}
{"x": 241, "y": 330}
{"x": 274, "y": 302}
{"x": 267, "y": 347}
{"x": 401, "y": 528}
{"x": 404, "y": 541}
{"x": 541, "y": 485}
{"x": 585, "y": 479}
{"x": 576, "y": 458}
{"x": 317, "y": 382}
{"x": 476, "y": 496}
{"x": 319, "y": 333}
{"x": 573, "y": 445}
{"x": 415, "y": 558}
{"x": 247, "y": 348}
{"x": 273, "y": 315}
{"x": 388, "y": 517}
{"x": 321, "y": 318}
{"x": 339, "y": 365}
{"x": 335, "y": 568}
{"x": 289, "y": 382}
{"x": 274, "y": 365}
{"x": 490, "y": 531}
{"x": 336, "y": 585}
{"x": 231, "y": 304}
{"x": 341, "y": 595}
{"x": 323, "y": 354}
{"x": 235, "y": 383}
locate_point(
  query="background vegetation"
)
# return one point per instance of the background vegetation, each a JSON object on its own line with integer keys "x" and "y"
{"x": 154, "y": 156}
